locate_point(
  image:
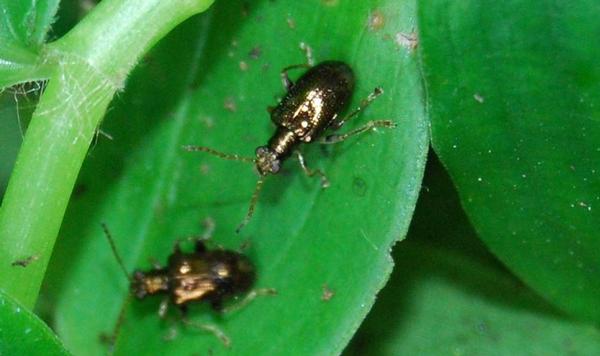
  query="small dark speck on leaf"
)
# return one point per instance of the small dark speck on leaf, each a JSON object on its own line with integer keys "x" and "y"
{"x": 255, "y": 52}
{"x": 79, "y": 190}
{"x": 195, "y": 84}
{"x": 25, "y": 261}
{"x": 245, "y": 9}
{"x": 359, "y": 186}
{"x": 482, "y": 327}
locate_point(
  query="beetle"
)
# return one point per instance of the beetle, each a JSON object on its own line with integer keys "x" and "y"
{"x": 310, "y": 107}
{"x": 204, "y": 275}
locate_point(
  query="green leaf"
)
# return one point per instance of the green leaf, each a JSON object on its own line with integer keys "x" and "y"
{"x": 22, "y": 333}
{"x": 514, "y": 107}
{"x": 23, "y": 28}
{"x": 150, "y": 192}
{"x": 448, "y": 295}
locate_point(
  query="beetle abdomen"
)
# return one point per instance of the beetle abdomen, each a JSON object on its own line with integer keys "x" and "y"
{"x": 316, "y": 98}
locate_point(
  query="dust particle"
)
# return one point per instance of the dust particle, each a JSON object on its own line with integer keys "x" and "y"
{"x": 208, "y": 121}
{"x": 204, "y": 169}
{"x": 327, "y": 293}
{"x": 330, "y": 2}
{"x": 243, "y": 66}
{"x": 376, "y": 21}
{"x": 359, "y": 186}
{"x": 87, "y": 6}
{"x": 291, "y": 23}
{"x": 410, "y": 41}
{"x": 478, "y": 98}
{"x": 230, "y": 104}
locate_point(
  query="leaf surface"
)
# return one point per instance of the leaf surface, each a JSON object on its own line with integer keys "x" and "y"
{"x": 23, "y": 333}
{"x": 449, "y": 295}
{"x": 209, "y": 83}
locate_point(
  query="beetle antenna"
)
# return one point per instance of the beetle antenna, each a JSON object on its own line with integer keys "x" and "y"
{"x": 111, "y": 241}
{"x": 112, "y": 338}
{"x": 231, "y": 157}
{"x": 253, "y": 201}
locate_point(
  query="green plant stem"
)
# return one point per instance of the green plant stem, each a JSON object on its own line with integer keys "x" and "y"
{"x": 90, "y": 64}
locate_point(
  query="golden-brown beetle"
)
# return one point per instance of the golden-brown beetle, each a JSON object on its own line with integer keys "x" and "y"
{"x": 204, "y": 275}
{"x": 310, "y": 107}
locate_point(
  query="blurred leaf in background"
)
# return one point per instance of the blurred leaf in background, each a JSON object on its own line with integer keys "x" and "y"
{"x": 22, "y": 333}
{"x": 449, "y": 295}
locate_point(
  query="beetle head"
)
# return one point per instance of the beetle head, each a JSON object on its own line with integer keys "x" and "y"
{"x": 148, "y": 283}
{"x": 267, "y": 161}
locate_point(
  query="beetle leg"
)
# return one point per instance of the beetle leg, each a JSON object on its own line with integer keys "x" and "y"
{"x": 213, "y": 329}
{"x": 363, "y": 105}
{"x": 200, "y": 246}
{"x": 177, "y": 247}
{"x": 249, "y": 298}
{"x": 171, "y": 334}
{"x": 200, "y": 241}
{"x": 163, "y": 308}
{"x": 244, "y": 245}
{"x": 311, "y": 172}
{"x": 308, "y": 52}
{"x": 162, "y": 312}
{"x": 209, "y": 228}
{"x": 367, "y": 127}
{"x": 155, "y": 264}
{"x": 112, "y": 338}
{"x": 285, "y": 79}
{"x": 217, "y": 305}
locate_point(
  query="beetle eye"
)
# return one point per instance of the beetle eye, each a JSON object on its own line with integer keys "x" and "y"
{"x": 140, "y": 293}
{"x": 138, "y": 275}
{"x": 275, "y": 166}
{"x": 261, "y": 151}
